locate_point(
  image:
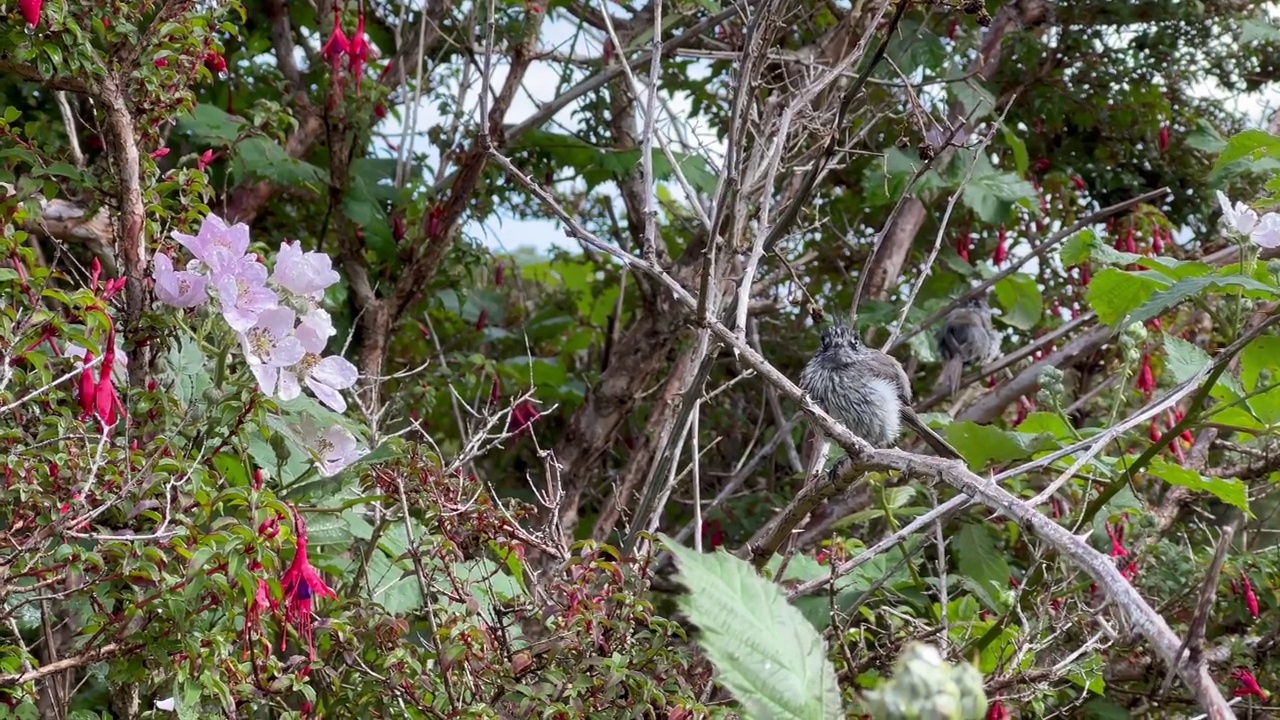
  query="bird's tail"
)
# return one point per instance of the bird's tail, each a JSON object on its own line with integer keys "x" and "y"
{"x": 949, "y": 378}
{"x": 931, "y": 438}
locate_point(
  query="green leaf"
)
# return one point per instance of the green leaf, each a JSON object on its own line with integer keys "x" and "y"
{"x": 1019, "y": 148}
{"x": 263, "y": 159}
{"x": 1183, "y": 359}
{"x": 1113, "y": 294}
{"x": 1078, "y": 247}
{"x": 1021, "y": 303}
{"x": 983, "y": 563}
{"x": 992, "y": 193}
{"x": 212, "y": 124}
{"x": 233, "y": 471}
{"x": 1259, "y": 359}
{"x": 1189, "y": 287}
{"x": 981, "y": 444}
{"x": 1228, "y": 490}
{"x": 1046, "y": 423}
{"x": 769, "y": 657}
{"x": 1252, "y": 144}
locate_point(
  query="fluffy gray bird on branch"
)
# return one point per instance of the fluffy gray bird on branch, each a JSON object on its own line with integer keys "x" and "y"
{"x": 966, "y": 338}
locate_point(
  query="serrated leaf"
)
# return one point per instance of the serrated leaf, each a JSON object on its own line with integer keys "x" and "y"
{"x": 992, "y": 193}
{"x": 1162, "y": 301}
{"x": 981, "y": 444}
{"x": 1045, "y": 423}
{"x": 1019, "y": 148}
{"x": 212, "y": 124}
{"x": 764, "y": 651}
{"x": 1261, "y": 355}
{"x": 1228, "y": 490}
{"x": 981, "y": 561}
{"x": 1078, "y": 247}
{"x": 1114, "y": 293}
{"x": 1253, "y": 144}
{"x": 1020, "y": 301}
{"x": 1183, "y": 359}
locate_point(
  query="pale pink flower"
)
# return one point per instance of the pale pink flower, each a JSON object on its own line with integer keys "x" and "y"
{"x": 1267, "y": 232}
{"x": 270, "y": 345}
{"x": 242, "y": 289}
{"x": 1239, "y": 216}
{"x": 216, "y": 244}
{"x": 324, "y": 375}
{"x": 303, "y": 273}
{"x": 180, "y": 289}
{"x": 336, "y": 448}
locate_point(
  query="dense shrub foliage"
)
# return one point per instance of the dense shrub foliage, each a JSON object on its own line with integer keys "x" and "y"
{"x": 299, "y": 420}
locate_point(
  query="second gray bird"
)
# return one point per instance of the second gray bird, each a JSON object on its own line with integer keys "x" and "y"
{"x": 966, "y": 337}
{"x": 866, "y": 390}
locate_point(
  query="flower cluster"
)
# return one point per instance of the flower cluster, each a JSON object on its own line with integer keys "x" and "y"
{"x": 1243, "y": 220}
{"x": 276, "y": 317}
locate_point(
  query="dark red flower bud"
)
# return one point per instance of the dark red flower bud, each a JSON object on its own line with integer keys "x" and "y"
{"x": 380, "y": 111}
{"x": 435, "y": 222}
{"x": 1250, "y": 598}
{"x": 1002, "y": 250}
{"x": 499, "y": 273}
{"x": 1157, "y": 241}
{"x": 1164, "y": 137}
{"x": 483, "y": 320}
{"x": 215, "y": 62}
{"x": 1079, "y": 183}
{"x": 962, "y": 247}
{"x": 398, "y": 228}
{"x": 159, "y": 153}
{"x": 951, "y": 28}
{"x": 206, "y": 157}
{"x": 161, "y": 62}
{"x": 1040, "y": 165}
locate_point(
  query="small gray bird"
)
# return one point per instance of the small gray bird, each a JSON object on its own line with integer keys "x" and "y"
{"x": 866, "y": 390}
{"x": 966, "y": 337}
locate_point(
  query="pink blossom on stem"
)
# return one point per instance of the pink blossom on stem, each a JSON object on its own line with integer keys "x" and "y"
{"x": 304, "y": 273}
{"x": 243, "y": 293}
{"x": 324, "y": 375}
{"x": 270, "y": 344}
{"x": 336, "y": 448}
{"x": 180, "y": 289}
{"x": 216, "y": 244}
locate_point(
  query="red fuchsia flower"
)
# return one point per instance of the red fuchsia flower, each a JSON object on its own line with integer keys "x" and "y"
{"x": 206, "y": 157}
{"x": 1085, "y": 275}
{"x": 215, "y": 62}
{"x": 95, "y": 272}
{"x": 1025, "y": 406}
{"x": 1250, "y": 598}
{"x": 1078, "y": 182}
{"x": 951, "y": 29}
{"x": 499, "y": 273}
{"x": 31, "y": 11}
{"x": 258, "y": 605}
{"x": 1248, "y": 685}
{"x": 997, "y": 711}
{"x": 157, "y": 154}
{"x": 105, "y": 399}
{"x": 337, "y": 46}
{"x": 398, "y": 228}
{"x": 1041, "y": 165}
{"x": 1154, "y": 433}
{"x": 522, "y": 415}
{"x": 1179, "y": 416}
{"x": 1157, "y": 241}
{"x": 1002, "y": 248}
{"x": 88, "y": 386}
{"x": 112, "y": 287}
{"x": 435, "y": 219}
{"x": 1164, "y": 137}
{"x": 161, "y": 62}
{"x": 358, "y": 53}
{"x": 379, "y": 111}
{"x": 714, "y": 535}
{"x": 300, "y": 584}
{"x": 483, "y": 320}
{"x": 1130, "y": 244}
{"x": 1146, "y": 379}
{"x": 962, "y": 247}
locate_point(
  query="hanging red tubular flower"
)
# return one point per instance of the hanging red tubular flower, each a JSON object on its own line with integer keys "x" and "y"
{"x": 358, "y": 53}
{"x": 159, "y": 153}
{"x": 206, "y": 157}
{"x": 1154, "y": 433}
{"x": 1250, "y": 598}
{"x": 1157, "y": 241}
{"x": 95, "y": 272}
{"x": 300, "y": 584}
{"x": 499, "y": 273}
{"x": 1248, "y": 685}
{"x": 31, "y": 11}
{"x": 962, "y": 247}
{"x": 1164, "y": 137}
{"x": 1130, "y": 244}
{"x": 435, "y": 220}
{"x": 522, "y": 415}
{"x": 215, "y": 62}
{"x": 337, "y": 45}
{"x": 1146, "y": 380}
{"x": 258, "y": 605}
{"x": 1078, "y": 182}
{"x": 105, "y": 399}
{"x": 1115, "y": 531}
{"x": 88, "y": 386}
{"x": 483, "y": 321}
{"x": 997, "y": 711}
{"x": 1002, "y": 250}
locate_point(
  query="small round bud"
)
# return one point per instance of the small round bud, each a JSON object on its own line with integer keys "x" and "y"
{"x": 1273, "y": 266}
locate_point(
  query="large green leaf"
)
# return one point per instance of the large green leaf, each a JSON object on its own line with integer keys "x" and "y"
{"x": 1189, "y": 287}
{"x": 981, "y": 444}
{"x": 1021, "y": 303}
{"x": 992, "y": 193}
{"x": 764, "y": 651}
{"x": 1252, "y": 144}
{"x": 982, "y": 564}
{"x": 1228, "y": 490}
{"x": 212, "y": 124}
{"x": 1260, "y": 360}
{"x": 263, "y": 159}
{"x": 1114, "y": 293}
